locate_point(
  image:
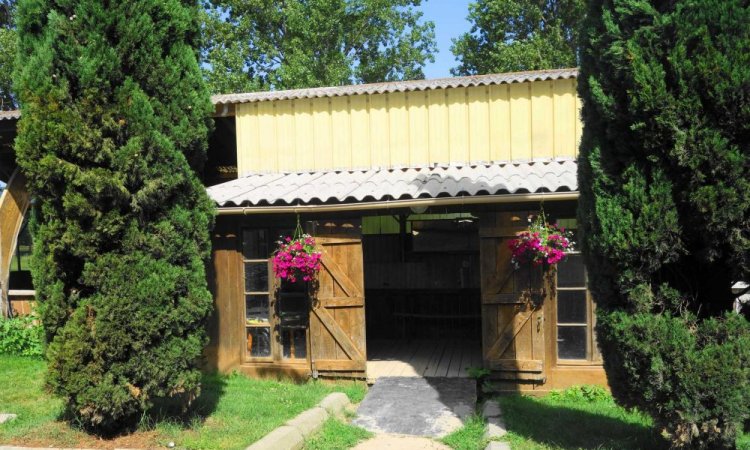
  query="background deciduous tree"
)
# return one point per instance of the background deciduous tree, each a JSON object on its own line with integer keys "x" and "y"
{"x": 665, "y": 208}
{"x": 7, "y": 54}
{"x": 264, "y": 44}
{"x": 115, "y": 120}
{"x": 515, "y": 35}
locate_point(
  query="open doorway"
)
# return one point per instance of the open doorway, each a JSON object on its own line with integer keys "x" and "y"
{"x": 423, "y": 312}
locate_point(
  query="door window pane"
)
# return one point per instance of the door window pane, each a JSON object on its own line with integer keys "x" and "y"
{"x": 256, "y": 309}
{"x": 259, "y": 341}
{"x": 571, "y": 272}
{"x": 294, "y": 343}
{"x": 255, "y": 244}
{"x": 571, "y": 342}
{"x": 256, "y": 277}
{"x": 571, "y": 307}
{"x": 294, "y": 310}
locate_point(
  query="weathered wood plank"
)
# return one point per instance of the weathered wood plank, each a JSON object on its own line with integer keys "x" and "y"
{"x": 422, "y": 358}
{"x": 434, "y": 362}
{"x": 339, "y": 365}
{"x": 521, "y": 365}
{"x": 342, "y": 302}
{"x": 338, "y": 334}
{"x": 501, "y": 299}
{"x": 339, "y": 276}
{"x": 509, "y": 332}
{"x": 445, "y": 361}
{"x": 500, "y": 232}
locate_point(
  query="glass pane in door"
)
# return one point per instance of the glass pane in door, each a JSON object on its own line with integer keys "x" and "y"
{"x": 571, "y": 342}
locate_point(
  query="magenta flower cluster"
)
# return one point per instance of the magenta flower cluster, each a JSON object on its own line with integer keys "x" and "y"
{"x": 296, "y": 258}
{"x": 541, "y": 244}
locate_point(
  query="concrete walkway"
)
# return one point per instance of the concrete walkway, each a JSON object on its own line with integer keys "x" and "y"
{"x": 429, "y": 407}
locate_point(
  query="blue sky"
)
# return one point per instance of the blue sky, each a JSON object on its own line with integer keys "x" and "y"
{"x": 450, "y": 21}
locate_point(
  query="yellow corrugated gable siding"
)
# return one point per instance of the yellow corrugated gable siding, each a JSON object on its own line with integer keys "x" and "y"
{"x": 520, "y": 121}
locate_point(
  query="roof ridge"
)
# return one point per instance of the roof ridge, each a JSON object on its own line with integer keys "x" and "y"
{"x": 397, "y": 86}
{"x": 419, "y": 167}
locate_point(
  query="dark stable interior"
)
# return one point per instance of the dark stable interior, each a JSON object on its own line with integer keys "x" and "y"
{"x": 422, "y": 277}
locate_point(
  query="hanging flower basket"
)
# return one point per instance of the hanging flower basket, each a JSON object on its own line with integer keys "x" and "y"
{"x": 542, "y": 244}
{"x": 296, "y": 258}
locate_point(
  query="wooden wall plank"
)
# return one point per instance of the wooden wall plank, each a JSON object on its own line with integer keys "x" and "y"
{"x": 439, "y": 136}
{"x": 542, "y": 120}
{"x": 322, "y": 132}
{"x": 398, "y": 127}
{"x": 360, "y": 131}
{"x": 578, "y": 123}
{"x": 419, "y": 139}
{"x": 226, "y": 326}
{"x": 479, "y": 124}
{"x": 304, "y": 135}
{"x": 379, "y": 131}
{"x": 520, "y": 121}
{"x": 285, "y": 143}
{"x": 341, "y": 132}
{"x": 564, "y": 129}
{"x": 500, "y": 123}
{"x": 267, "y": 142}
{"x": 458, "y": 126}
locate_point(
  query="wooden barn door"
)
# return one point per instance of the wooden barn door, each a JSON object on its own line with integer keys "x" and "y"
{"x": 512, "y": 314}
{"x": 337, "y": 318}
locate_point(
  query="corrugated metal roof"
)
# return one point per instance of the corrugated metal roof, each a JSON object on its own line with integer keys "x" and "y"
{"x": 396, "y": 184}
{"x": 398, "y": 86}
{"x": 10, "y": 115}
{"x": 379, "y": 88}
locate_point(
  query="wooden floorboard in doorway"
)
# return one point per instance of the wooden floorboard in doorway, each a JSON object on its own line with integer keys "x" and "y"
{"x": 422, "y": 358}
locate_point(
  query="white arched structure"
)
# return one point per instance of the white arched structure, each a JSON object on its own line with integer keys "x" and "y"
{"x": 14, "y": 203}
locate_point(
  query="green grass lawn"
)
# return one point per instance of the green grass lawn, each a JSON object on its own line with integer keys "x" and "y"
{"x": 468, "y": 437}
{"x": 562, "y": 422}
{"x": 232, "y": 411}
{"x": 578, "y": 418}
{"x": 337, "y": 435}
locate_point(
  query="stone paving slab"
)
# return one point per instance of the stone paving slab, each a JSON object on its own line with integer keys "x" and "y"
{"x": 494, "y": 445}
{"x": 432, "y": 407}
{"x": 396, "y": 442}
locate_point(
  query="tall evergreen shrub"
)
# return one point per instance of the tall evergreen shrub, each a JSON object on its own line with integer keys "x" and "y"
{"x": 665, "y": 207}
{"x": 115, "y": 117}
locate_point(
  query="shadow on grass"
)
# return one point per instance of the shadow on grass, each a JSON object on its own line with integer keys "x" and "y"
{"x": 175, "y": 411}
{"x": 599, "y": 425}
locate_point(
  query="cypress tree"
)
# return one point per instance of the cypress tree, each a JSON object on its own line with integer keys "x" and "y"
{"x": 115, "y": 117}
{"x": 665, "y": 208}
